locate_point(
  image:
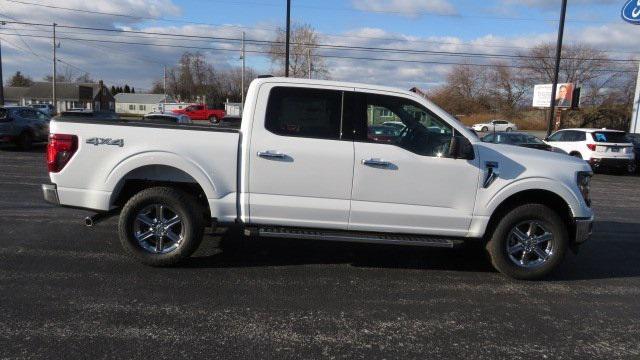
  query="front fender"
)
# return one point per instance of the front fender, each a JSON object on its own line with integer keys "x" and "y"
{"x": 571, "y": 196}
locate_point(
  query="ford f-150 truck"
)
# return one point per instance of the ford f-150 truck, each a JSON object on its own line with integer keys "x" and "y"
{"x": 201, "y": 112}
{"x": 302, "y": 166}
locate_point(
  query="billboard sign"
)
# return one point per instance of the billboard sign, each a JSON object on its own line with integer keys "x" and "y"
{"x": 542, "y": 95}
{"x": 631, "y": 12}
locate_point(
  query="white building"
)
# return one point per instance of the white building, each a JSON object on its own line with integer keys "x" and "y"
{"x": 139, "y": 104}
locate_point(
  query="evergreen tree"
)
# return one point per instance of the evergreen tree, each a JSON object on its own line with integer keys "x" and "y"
{"x": 113, "y": 90}
{"x": 127, "y": 90}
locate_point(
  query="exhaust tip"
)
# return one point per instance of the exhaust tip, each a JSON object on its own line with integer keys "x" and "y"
{"x": 88, "y": 221}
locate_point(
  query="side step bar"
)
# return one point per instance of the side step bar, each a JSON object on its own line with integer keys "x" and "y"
{"x": 364, "y": 237}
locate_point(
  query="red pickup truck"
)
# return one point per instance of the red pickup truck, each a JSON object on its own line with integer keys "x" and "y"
{"x": 200, "y": 112}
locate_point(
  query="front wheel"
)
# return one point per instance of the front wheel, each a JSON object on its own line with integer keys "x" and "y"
{"x": 161, "y": 226}
{"x": 529, "y": 242}
{"x": 25, "y": 141}
{"x": 484, "y": 129}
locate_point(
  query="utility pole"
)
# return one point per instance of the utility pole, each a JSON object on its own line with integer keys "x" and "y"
{"x": 1, "y": 82}
{"x": 309, "y": 60}
{"x": 53, "y": 98}
{"x": 634, "y": 128}
{"x": 563, "y": 12}
{"x": 286, "y": 61}
{"x": 242, "y": 76}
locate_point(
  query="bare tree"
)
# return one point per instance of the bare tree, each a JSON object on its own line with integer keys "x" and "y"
{"x": 507, "y": 87}
{"x": 303, "y": 53}
{"x": 581, "y": 64}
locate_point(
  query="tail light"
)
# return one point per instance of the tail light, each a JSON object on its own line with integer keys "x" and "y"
{"x": 60, "y": 149}
{"x": 592, "y": 147}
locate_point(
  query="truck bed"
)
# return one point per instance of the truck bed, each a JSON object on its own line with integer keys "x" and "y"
{"x": 112, "y": 152}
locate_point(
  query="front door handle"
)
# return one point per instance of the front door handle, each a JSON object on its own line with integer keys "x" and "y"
{"x": 271, "y": 154}
{"x": 376, "y": 162}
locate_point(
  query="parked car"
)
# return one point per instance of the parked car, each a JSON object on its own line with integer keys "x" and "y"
{"x": 302, "y": 166}
{"x": 23, "y": 126}
{"x": 603, "y": 149}
{"x": 495, "y": 125}
{"x": 48, "y": 109}
{"x": 398, "y": 125}
{"x": 383, "y": 133}
{"x": 167, "y": 118}
{"x": 519, "y": 139}
{"x": 88, "y": 114}
{"x": 200, "y": 112}
{"x": 231, "y": 121}
{"x": 635, "y": 140}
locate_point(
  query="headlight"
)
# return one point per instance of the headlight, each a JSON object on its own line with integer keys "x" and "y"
{"x": 584, "y": 184}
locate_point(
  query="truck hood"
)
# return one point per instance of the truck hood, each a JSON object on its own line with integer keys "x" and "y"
{"x": 517, "y": 162}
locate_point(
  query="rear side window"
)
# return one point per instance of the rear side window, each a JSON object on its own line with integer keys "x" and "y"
{"x": 609, "y": 137}
{"x": 312, "y": 113}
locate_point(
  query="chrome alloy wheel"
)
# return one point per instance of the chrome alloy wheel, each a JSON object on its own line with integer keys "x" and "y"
{"x": 158, "y": 229}
{"x": 529, "y": 244}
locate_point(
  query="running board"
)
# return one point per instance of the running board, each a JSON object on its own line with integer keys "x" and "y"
{"x": 364, "y": 237}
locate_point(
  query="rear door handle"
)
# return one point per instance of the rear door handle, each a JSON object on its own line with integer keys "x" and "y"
{"x": 376, "y": 162}
{"x": 271, "y": 154}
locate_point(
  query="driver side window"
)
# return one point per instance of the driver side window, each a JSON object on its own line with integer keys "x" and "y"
{"x": 404, "y": 123}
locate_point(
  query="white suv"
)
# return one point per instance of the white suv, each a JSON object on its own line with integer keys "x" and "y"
{"x": 601, "y": 148}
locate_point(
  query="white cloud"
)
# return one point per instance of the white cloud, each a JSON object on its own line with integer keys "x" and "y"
{"x": 408, "y": 8}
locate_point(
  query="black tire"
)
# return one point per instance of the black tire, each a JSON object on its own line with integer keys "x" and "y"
{"x": 541, "y": 214}
{"x": 632, "y": 168}
{"x": 214, "y": 119}
{"x": 508, "y": 129}
{"x": 25, "y": 141}
{"x": 182, "y": 204}
{"x": 484, "y": 129}
{"x": 576, "y": 155}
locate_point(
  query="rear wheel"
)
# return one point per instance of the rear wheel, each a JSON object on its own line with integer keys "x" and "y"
{"x": 214, "y": 119}
{"x": 529, "y": 242}
{"x": 576, "y": 154}
{"x": 632, "y": 168}
{"x": 509, "y": 129}
{"x": 484, "y": 129}
{"x": 24, "y": 141}
{"x": 161, "y": 226}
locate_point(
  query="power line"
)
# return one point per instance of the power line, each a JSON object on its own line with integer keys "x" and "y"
{"x": 303, "y": 6}
{"x": 318, "y": 55}
{"x": 327, "y": 46}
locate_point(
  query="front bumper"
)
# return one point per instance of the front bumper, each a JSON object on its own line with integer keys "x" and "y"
{"x": 584, "y": 229}
{"x": 50, "y": 193}
{"x": 611, "y": 163}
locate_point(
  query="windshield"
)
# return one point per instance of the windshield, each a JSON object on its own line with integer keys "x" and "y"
{"x": 609, "y": 137}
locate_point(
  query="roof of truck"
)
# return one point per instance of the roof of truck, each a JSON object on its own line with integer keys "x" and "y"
{"x": 347, "y": 84}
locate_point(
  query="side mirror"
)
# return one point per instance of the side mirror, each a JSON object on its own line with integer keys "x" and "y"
{"x": 461, "y": 148}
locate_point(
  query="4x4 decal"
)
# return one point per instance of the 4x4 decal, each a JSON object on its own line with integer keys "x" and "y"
{"x": 105, "y": 141}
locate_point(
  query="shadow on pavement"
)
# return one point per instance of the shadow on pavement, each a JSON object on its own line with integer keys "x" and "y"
{"x": 613, "y": 252}
{"x": 263, "y": 252}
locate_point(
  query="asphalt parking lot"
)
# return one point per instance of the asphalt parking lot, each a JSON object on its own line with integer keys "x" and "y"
{"x": 67, "y": 291}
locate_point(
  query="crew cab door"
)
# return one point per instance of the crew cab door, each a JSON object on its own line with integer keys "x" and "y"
{"x": 408, "y": 183}
{"x": 300, "y": 167}
{"x": 195, "y": 112}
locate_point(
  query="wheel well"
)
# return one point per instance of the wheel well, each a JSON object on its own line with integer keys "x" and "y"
{"x": 543, "y": 197}
{"x": 574, "y": 153}
{"x": 158, "y": 175}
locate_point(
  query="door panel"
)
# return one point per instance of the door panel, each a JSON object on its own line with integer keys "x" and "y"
{"x": 406, "y": 182}
{"x": 296, "y": 179}
{"x": 415, "y": 194}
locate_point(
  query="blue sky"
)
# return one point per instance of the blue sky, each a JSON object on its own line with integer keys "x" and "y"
{"x": 494, "y": 26}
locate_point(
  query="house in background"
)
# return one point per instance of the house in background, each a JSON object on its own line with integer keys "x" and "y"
{"x": 140, "y": 104}
{"x": 90, "y": 96}
{"x": 13, "y": 95}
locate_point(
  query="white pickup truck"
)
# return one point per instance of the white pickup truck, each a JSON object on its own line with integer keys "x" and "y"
{"x": 310, "y": 161}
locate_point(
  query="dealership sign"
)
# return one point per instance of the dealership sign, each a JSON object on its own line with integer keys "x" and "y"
{"x": 542, "y": 95}
{"x": 631, "y": 12}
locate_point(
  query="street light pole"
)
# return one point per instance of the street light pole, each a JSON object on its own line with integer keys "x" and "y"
{"x": 286, "y": 61}
{"x": 53, "y": 98}
{"x": 242, "y": 76}
{"x": 563, "y": 12}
